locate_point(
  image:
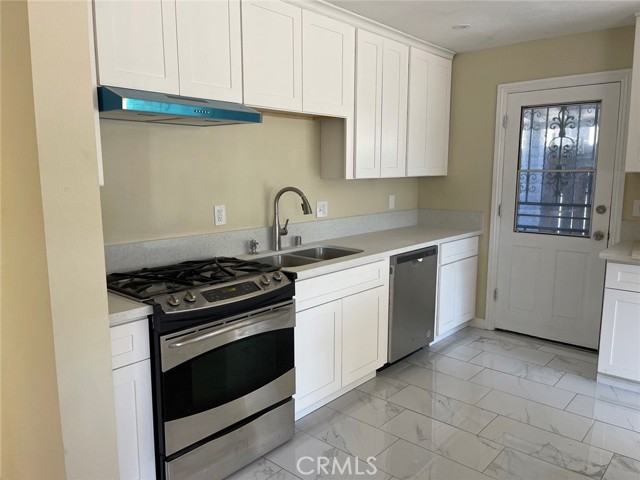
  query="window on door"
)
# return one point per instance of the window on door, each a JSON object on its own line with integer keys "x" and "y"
{"x": 557, "y": 169}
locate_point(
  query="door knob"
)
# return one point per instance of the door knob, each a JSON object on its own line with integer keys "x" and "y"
{"x": 601, "y": 209}
{"x": 598, "y": 235}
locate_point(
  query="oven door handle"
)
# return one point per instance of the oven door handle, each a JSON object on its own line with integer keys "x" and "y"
{"x": 246, "y": 328}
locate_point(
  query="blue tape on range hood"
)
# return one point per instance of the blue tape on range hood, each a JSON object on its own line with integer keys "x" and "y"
{"x": 136, "y": 105}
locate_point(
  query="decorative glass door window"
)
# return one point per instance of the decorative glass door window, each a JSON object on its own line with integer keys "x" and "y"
{"x": 557, "y": 168}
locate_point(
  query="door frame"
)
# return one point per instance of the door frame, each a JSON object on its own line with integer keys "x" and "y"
{"x": 623, "y": 77}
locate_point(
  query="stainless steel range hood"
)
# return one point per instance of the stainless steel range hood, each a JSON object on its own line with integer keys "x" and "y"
{"x": 138, "y": 106}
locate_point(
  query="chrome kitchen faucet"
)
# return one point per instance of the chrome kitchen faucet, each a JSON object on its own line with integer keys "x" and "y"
{"x": 278, "y": 231}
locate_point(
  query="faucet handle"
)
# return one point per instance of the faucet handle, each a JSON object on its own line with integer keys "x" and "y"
{"x": 283, "y": 230}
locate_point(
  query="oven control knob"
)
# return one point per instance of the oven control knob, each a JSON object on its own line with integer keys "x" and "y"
{"x": 173, "y": 301}
{"x": 265, "y": 280}
{"x": 277, "y": 276}
{"x": 189, "y": 297}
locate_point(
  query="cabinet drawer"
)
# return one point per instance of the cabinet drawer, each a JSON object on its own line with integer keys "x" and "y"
{"x": 333, "y": 286}
{"x": 623, "y": 277}
{"x": 454, "y": 251}
{"x": 129, "y": 343}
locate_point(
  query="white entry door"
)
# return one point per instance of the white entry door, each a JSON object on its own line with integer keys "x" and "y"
{"x": 556, "y": 197}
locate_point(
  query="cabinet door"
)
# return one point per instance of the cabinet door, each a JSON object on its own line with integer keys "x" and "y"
{"x": 368, "y": 113}
{"x": 620, "y": 334}
{"x": 328, "y": 50}
{"x": 364, "y": 333}
{"x": 466, "y": 274}
{"x": 317, "y": 353}
{"x": 136, "y": 44}
{"x": 456, "y": 294}
{"x": 429, "y": 108}
{"x": 446, "y": 298}
{"x": 134, "y": 421}
{"x": 210, "y": 49}
{"x": 272, "y": 54}
{"x": 393, "y": 142}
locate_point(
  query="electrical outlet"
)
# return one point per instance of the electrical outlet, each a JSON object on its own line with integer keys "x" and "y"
{"x": 220, "y": 216}
{"x": 636, "y": 208}
{"x": 392, "y": 202}
{"x": 322, "y": 209}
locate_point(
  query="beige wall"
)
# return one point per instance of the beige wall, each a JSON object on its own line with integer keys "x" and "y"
{"x": 631, "y": 193}
{"x": 164, "y": 180}
{"x": 31, "y": 430}
{"x": 476, "y": 76}
{"x": 66, "y": 141}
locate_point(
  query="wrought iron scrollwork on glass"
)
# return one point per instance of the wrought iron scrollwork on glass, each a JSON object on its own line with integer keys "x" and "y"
{"x": 557, "y": 166}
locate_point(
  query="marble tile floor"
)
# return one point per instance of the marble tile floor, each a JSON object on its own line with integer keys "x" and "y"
{"x": 478, "y": 405}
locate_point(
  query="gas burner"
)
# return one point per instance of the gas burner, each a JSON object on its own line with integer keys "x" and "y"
{"x": 147, "y": 283}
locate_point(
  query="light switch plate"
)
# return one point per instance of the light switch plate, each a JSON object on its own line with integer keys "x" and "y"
{"x": 392, "y": 202}
{"x": 636, "y": 208}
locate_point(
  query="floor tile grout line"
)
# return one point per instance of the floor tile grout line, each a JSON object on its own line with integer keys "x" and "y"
{"x": 524, "y": 378}
{"x": 588, "y": 445}
{"x": 608, "y": 402}
{"x": 526, "y": 398}
{"x": 480, "y": 399}
{"x": 550, "y": 463}
{"x": 340, "y": 449}
{"x": 449, "y": 458}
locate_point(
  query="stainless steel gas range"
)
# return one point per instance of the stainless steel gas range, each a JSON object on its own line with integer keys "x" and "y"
{"x": 222, "y": 362}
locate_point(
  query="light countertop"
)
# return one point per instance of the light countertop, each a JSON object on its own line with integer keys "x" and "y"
{"x": 123, "y": 310}
{"x": 621, "y": 253}
{"x": 375, "y": 246}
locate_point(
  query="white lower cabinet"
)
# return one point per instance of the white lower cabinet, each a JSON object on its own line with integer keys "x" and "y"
{"x": 133, "y": 400}
{"x": 364, "y": 333}
{"x": 341, "y": 331}
{"x": 134, "y": 421}
{"x": 619, "y": 353}
{"x": 317, "y": 345}
{"x": 456, "y": 286}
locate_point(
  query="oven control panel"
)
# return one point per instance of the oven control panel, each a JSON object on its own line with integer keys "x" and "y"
{"x": 222, "y": 294}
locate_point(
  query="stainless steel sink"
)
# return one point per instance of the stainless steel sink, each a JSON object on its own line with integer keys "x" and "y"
{"x": 326, "y": 252}
{"x": 286, "y": 260}
{"x": 307, "y": 256}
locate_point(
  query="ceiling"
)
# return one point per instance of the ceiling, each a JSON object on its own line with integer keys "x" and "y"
{"x": 493, "y": 23}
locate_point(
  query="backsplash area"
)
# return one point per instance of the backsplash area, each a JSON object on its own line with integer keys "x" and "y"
{"x": 629, "y": 231}
{"x": 131, "y": 256}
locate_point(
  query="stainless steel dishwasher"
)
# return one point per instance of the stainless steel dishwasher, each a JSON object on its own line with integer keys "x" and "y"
{"x": 412, "y": 302}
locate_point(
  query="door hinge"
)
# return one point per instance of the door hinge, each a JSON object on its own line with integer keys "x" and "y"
{"x": 500, "y": 210}
{"x": 495, "y": 294}
{"x": 505, "y": 120}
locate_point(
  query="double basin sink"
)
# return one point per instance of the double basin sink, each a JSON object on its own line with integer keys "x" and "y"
{"x": 307, "y": 256}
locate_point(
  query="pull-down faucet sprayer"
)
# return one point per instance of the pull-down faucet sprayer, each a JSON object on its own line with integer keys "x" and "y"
{"x": 278, "y": 231}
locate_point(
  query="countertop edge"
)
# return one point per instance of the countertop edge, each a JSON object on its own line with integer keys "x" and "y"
{"x": 376, "y": 246}
{"x": 620, "y": 253}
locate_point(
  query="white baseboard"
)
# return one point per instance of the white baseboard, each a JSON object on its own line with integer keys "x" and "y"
{"x": 307, "y": 410}
{"x": 619, "y": 382}
{"x": 478, "y": 323}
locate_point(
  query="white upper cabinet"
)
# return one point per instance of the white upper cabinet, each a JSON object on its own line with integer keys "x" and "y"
{"x": 633, "y": 139}
{"x": 368, "y": 123}
{"x": 328, "y": 50}
{"x": 272, "y": 54}
{"x": 210, "y": 49}
{"x": 136, "y": 44}
{"x": 395, "y": 73}
{"x": 381, "y": 106}
{"x": 429, "y": 107}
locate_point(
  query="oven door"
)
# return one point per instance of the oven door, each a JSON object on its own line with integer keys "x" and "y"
{"x": 215, "y": 376}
